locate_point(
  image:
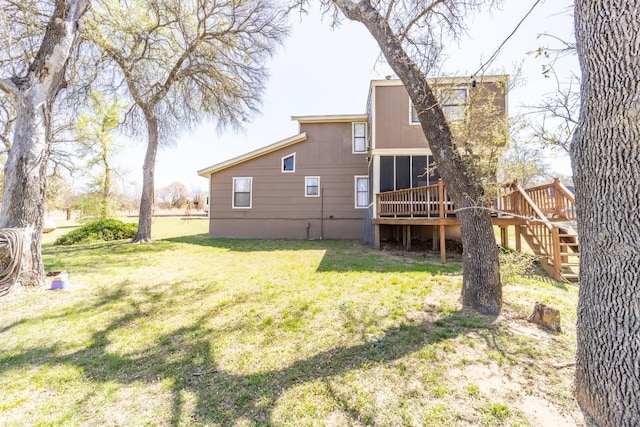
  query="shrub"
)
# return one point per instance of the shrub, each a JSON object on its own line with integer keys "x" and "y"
{"x": 514, "y": 265}
{"x": 103, "y": 230}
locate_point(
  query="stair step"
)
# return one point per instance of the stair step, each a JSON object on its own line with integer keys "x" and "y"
{"x": 570, "y": 264}
{"x": 570, "y": 276}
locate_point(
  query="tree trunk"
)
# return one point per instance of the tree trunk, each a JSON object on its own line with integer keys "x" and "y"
{"x": 33, "y": 96}
{"x": 606, "y": 161}
{"x": 148, "y": 185}
{"x": 106, "y": 185}
{"x": 481, "y": 289}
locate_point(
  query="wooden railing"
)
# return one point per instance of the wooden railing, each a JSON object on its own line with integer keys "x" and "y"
{"x": 427, "y": 201}
{"x": 542, "y": 207}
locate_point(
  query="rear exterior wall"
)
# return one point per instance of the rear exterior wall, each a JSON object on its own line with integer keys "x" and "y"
{"x": 279, "y": 207}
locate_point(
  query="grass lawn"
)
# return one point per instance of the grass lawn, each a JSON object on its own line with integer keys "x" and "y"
{"x": 197, "y": 331}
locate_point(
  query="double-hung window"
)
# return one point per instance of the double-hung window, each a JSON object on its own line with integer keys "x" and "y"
{"x": 359, "y": 137}
{"x": 312, "y": 186}
{"x": 454, "y": 102}
{"x": 362, "y": 192}
{"x": 242, "y": 193}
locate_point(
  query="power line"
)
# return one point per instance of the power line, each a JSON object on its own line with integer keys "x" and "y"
{"x": 495, "y": 54}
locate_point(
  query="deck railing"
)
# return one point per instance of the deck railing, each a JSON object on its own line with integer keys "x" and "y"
{"x": 427, "y": 201}
{"x": 542, "y": 207}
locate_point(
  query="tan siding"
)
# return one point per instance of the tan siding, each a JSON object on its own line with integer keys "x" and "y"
{"x": 279, "y": 206}
{"x": 392, "y": 110}
{"x": 392, "y": 126}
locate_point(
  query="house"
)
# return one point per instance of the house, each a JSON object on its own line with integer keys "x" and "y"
{"x": 326, "y": 181}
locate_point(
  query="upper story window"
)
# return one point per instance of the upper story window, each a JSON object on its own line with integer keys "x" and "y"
{"x": 289, "y": 163}
{"x": 359, "y": 137}
{"x": 413, "y": 119}
{"x": 312, "y": 186}
{"x": 242, "y": 192}
{"x": 453, "y": 102}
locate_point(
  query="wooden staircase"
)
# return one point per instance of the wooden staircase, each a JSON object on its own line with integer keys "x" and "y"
{"x": 549, "y": 225}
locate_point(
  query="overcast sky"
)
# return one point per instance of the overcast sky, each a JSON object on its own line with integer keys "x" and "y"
{"x": 323, "y": 71}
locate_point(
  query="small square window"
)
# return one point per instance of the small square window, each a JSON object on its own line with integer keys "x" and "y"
{"x": 312, "y": 186}
{"x": 289, "y": 163}
{"x": 359, "y": 137}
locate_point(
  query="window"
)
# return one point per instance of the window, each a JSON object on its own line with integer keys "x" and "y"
{"x": 414, "y": 116}
{"x": 359, "y": 137}
{"x": 289, "y": 163}
{"x": 312, "y": 186}
{"x": 242, "y": 193}
{"x": 362, "y": 191}
{"x": 453, "y": 103}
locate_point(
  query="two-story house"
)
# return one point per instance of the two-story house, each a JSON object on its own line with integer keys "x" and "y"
{"x": 345, "y": 176}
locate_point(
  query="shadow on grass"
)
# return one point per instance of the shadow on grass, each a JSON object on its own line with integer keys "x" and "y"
{"x": 186, "y": 358}
{"x": 339, "y": 255}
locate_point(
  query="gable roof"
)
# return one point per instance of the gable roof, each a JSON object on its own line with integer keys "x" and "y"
{"x": 253, "y": 154}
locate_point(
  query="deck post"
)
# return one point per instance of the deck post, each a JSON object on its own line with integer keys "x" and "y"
{"x": 376, "y": 236}
{"x": 504, "y": 236}
{"x": 443, "y": 246}
{"x": 518, "y": 238}
{"x": 441, "y": 198}
{"x": 557, "y": 259}
{"x": 408, "y": 230}
{"x": 434, "y": 238}
{"x": 558, "y": 198}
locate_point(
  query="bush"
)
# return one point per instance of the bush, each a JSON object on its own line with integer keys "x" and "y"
{"x": 103, "y": 230}
{"x": 514, "y": 265}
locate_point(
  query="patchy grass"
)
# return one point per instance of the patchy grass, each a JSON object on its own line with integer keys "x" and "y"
{"x": 197, "y": 331}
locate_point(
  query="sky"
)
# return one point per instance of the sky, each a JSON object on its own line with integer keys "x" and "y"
{"x": 320, "y": 70}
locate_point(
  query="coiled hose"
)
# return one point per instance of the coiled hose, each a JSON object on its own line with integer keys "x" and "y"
{"x": 11, "y": 246}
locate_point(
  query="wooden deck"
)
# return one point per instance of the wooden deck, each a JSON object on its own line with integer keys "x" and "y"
{"x": 543, "y": 216}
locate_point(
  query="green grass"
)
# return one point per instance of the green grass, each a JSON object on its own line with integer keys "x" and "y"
{"x": 197, "y": 331}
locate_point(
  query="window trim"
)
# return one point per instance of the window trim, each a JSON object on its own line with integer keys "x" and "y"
{"x": 233, "y": 192}
{"x": 463, "y": 105}
{"x": 412, "y": 108}
{"x": 353, "y": 138}
{"x": 282, "y": 163}
{"x": 439, "y": 92}
{"x": 355, "y": 194}
{"x": 306, "y": 194}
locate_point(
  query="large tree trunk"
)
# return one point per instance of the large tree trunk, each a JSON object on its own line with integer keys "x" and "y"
{"x": 33, "y": 96}
{"x": 481, "y": 289}
{"x": 148, "y": 178}
{"x": 606, "y": 162}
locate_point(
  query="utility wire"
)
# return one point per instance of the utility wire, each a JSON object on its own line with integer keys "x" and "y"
{"x": 495, "y": 54}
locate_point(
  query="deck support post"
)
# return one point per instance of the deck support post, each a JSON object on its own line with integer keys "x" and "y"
{"x": 434, "y": 238}
{"x": 518, "y": 238}
{"x": 443, "y": 246}
{"x": 376, "y": 236}
{"x": 557, "y": 260}
{"x": 504, "y": 236}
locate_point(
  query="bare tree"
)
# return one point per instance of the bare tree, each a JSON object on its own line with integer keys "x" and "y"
{"x": 183, "y": 60}
{"x": 605, "y": 154}
{"x": 410, "y": 34}
{"x": 174, "y": 195}
{"x": 34, "y": 66}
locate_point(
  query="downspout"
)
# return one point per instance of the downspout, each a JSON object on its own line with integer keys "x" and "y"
{"x": 321, "y": 213}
